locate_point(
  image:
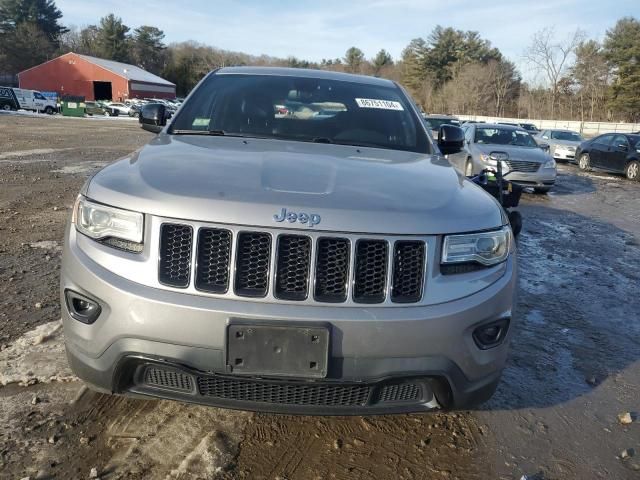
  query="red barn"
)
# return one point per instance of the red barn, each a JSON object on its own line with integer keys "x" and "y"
{"x": 95, "y": 79}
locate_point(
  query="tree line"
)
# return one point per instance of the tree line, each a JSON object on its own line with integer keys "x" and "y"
{"x": 448, "y": 71}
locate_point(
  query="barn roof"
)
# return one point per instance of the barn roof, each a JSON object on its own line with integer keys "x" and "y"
{"x": 130, "y": 72}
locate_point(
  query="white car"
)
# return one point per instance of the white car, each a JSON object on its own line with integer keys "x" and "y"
{"x": 121, "y": 107}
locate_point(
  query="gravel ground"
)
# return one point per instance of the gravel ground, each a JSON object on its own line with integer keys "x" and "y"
{"x": 574, "y": 366}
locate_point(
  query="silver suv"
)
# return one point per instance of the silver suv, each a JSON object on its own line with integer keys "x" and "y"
{"x": 292, "y": 241}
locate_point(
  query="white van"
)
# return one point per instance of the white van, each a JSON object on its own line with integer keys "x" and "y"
{"x": 34, "y": 100}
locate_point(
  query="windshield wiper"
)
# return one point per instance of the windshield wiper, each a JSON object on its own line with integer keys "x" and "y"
{"x": 219, "y": 133}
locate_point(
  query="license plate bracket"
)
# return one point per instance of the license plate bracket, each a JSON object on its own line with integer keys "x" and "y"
{"x": 278, "y": 350}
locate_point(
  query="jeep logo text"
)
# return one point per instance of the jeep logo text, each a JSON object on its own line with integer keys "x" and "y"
{"x": 310, "y": 219}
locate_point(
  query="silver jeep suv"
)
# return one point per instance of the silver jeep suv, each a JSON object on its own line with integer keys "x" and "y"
{"x": 292, "y": 241}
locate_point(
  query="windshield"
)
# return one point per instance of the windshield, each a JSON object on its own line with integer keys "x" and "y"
{"x": 303, "y": 109}
{"x": 504, "y": 136}
{"x": 570, "y": 136}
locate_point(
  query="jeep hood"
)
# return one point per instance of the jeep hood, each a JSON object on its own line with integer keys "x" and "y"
{"x": 248, "y": 181}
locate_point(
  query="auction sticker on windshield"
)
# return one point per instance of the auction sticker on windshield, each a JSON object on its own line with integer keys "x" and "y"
{"x": 382, "y": 104}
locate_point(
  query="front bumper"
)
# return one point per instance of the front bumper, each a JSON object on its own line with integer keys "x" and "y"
{"x": 564, "y": 155}
{"x": 545, "y": 177}
{"x": 382, "y": 348}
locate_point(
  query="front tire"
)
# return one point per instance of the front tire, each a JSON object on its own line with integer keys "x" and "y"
{"x": 107, "y": 114}
{"x": 633, "y": 171}
{"x": 6, "y": 107}
{"x": 48, "y": 110}
{"x": 515, "y": 219}
{"x": 585, "y": 162}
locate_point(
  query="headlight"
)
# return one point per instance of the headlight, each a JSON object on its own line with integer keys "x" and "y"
{"x": 488, "y": 160}
{"x": 487, "y": 248}
{"x": 550, "y": 163}
{"x": 101, "y": 222}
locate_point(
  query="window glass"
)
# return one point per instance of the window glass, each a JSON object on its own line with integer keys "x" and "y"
{"x": 38, "y": 96}
{"x": 604, "y": 140}
{"x": 563, "y": 135}
{"x": 620, "y": 140}
{"x": 504, "y": 136}
{"x": 304, "y": 109}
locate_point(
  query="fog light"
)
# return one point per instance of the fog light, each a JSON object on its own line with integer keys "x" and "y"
{"x": 491, "y": 334}
{"x": 82, "y": 308}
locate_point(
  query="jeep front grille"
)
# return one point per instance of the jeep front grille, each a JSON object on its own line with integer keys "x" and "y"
{"x": 292, "y": 266}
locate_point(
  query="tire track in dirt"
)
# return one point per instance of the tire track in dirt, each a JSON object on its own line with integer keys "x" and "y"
{"x": 421, "y": 446}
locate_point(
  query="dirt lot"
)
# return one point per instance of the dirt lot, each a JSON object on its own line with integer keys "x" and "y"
{"x": 574, "y": 366}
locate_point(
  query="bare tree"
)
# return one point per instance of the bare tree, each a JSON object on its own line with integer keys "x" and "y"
{"x": 551, "y": 57}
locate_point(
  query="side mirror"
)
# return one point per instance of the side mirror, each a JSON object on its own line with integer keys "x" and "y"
{"x": 153, "y": 117}
{"x": 623, "y": 147}
{"x": 450, "y": 139}
{"x": 545, "y": 147}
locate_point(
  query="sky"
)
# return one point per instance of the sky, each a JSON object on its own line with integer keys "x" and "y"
{"x": 318, "y": 29}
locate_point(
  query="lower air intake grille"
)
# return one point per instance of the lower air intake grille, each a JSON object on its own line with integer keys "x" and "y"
{"x": 175, "y": 254}
{"x": 170, "y": 379}
{"x": 408, "y": 272}
{"x": 292, "y": 273}
{"x": 283, "y": 393}
{"x": 402, "y": 392}
{"x": 371, "y": 271}
{"x": 252, "y": 264}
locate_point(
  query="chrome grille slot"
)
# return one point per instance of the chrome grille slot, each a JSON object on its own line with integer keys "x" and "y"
{"x": 175, "y": 254}
{"x": 408, "y": 271}
{"x": 332, "y": 270}
{"x": 371, "y": 271}
{"x": 253, "y": 261}
{"x": 292, "y": 267}
{"x": 213, "y": 260}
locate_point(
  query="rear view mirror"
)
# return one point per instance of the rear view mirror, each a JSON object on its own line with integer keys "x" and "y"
{"x": 450, "y": 139}
{"x": 153, "y": 117}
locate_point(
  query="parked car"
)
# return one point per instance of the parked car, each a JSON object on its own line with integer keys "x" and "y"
{"x": 305, "y": 265}
{"x": 134, "y": 109}
{"x": 613, "y": 152}
{"x": 21, "y": 98}
{"x": 436, "y": 121}
{"x": 562, "y": 143}
{"x": 524, "y": 161}
{"x": 99, "y": 108}
{"x": 530, "y": 127}
{"x": 122, "y": 108}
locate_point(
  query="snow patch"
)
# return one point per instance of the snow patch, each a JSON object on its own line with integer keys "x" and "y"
{"x": 36, "y": 357}
{"x": 46, "y": 245}
{"x": 35, "y": 151}
{"x": 85, "y": 167}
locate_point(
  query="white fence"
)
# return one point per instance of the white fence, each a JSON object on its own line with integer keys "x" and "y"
{"x": 585, "y": 128}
